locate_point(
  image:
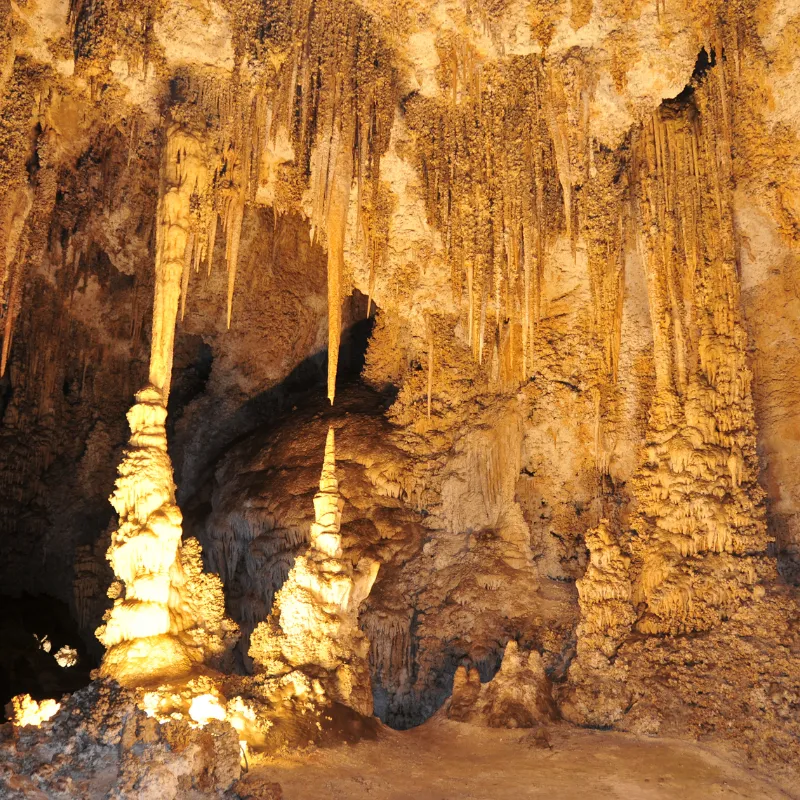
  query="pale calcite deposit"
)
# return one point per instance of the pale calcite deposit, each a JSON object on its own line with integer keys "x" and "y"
{"x": 28, "y": 711}
{"x": 168, "y": 618}
{"x": 313, "y": 628}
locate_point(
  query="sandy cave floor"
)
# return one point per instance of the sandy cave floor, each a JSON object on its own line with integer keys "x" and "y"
{"x": 444, "y": 760}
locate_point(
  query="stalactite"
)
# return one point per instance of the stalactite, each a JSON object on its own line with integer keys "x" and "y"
{"x": 212, "y": 239}
{"x": 233, "y": 234}
{"x": 492, "y": 188}
{"x": 321, "y": 124}
{"x": 603, "y": 227}
{"x": 336, "y": 227}
{"x": 184, "y": 176}
{"x": 187, "y": 268}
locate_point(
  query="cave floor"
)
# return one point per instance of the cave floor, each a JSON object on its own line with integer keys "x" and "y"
{"x": 444, "y": 760}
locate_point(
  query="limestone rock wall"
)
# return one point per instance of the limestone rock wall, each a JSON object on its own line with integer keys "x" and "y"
{"x": 576, "y": 225}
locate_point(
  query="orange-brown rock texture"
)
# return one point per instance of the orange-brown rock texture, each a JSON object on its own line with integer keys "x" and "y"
{"x": 519, "y": 279}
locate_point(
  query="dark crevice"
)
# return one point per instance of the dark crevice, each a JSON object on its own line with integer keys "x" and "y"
{"x": 33, "y": 628}
{"x": 705, "y": 62}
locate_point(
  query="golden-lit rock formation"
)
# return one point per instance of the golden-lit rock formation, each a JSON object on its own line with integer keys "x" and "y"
{"x": 180, "y": 243}
{"x": 518, "y": 696}
{"x": 26, "y": 711}
{"x": 168, "y": 618}
{"x": 701, "y": 525}
{"x": 604, "y": 593}
{"x": 313, "y": 628}
{"x": 536, "y": 263}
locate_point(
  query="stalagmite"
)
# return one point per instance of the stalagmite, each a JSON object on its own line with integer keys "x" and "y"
{"x": 168, "y": 616}
{"x": 313, "y": 629}
{"x": 518, "y": 696}
{"x": 595, "y": 695}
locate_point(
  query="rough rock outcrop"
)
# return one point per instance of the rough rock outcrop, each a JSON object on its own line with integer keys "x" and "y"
{"x": 518, "y": 696}
{"x": 103, "y": 744}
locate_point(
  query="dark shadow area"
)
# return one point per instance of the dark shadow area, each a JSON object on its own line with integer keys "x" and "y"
{"x": 355, "y": 340}
{"x": 192, "y": 369}
{"x": 301, "y": 388}
{"x": 33, "y": 629}
{"x": 403, "y": 712}
{"x": 6, "y": 392}
{"x": 705, "y": 62}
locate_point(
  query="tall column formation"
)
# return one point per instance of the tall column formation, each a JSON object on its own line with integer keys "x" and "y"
{"x": 313, "y": 628}
{"x": 168, "y": 617}
{"x": 701, "y": 526}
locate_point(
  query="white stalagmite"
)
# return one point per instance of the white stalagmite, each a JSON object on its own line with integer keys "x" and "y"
{"x": 313, "y": 628}
{"x": 168, "y": 617}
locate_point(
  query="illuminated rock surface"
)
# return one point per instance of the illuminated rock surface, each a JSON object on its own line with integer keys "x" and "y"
{"x": 168, "y": 617}
{"x": 313, "y": 627}
{"x": 531, "y": 269}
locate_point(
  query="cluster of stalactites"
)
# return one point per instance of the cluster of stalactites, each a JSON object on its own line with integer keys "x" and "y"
{"x": 306, "y": 137}
{"x": 501, "y": 155}
{"x": 26, "y": 198}
{"x": 313, "y": 628}
{"x": 702, "y": 517}
{"x": 351, "y": 109}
